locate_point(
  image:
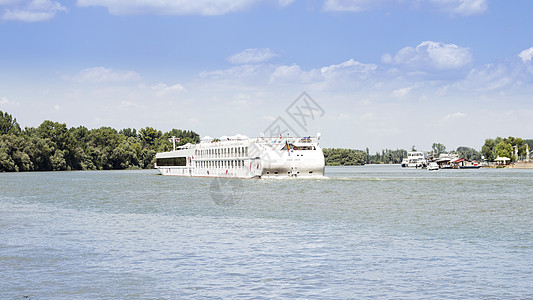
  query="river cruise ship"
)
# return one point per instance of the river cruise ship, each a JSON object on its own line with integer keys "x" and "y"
{"x": 243, "y": 157}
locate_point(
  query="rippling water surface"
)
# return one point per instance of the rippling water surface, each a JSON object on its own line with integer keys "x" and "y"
{"x": 363, "y": 232}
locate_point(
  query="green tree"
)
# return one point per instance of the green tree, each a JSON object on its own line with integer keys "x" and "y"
{"x": 438, "y": 148}
{"x": 489, "y": 149}
{"x": 149, "y": 136}
{"x": 8, "y": 124}
{"x": 343, "y": 157}
{"x": 128, "y": 132}
{"x": 504, "y": 149}
{"x": 124, "y": 156}
{"x": 468, "y": 153}
{"x": 102, "y": 142}
{"x": 13, "y": 158}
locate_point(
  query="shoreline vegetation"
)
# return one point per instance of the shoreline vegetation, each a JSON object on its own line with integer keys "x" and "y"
{"x": 54, "y": 147}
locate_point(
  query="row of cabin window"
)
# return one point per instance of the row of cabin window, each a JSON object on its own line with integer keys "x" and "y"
{"x": 172, "y": 161}
{"x": 220, "y": 164}
{"x": 222, "y": 152}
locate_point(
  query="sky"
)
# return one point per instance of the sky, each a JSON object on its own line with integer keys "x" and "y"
{"x": 364, "y": 73}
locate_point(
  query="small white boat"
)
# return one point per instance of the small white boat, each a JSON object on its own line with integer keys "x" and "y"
{"x": 433, "y": 166}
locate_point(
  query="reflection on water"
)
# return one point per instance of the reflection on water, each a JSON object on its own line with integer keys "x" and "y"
{"x": 372, "y": 231}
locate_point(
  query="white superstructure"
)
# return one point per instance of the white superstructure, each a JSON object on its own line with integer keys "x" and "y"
{"x": 416, "y": 159}
{"x": 243, "y": 157}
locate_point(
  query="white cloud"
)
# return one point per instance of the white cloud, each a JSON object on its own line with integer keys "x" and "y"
{"x": 252, "y": 55}
{"x": 162, "y": 89}
{"x": 291, "y": 74}
{"x": 454, "y": 116}
{"x": 526, "y": 55}
{"x": 402, "y": 92}
{"x": 294, "y": 73}
{"x": 31, "y": 11}
{"x": 6, "y": 102}
{"x": 351, "y": 5}
{"x": 269, "y": 118}
{"x": 236, "y": 72}
{"x": 348, "y": 67}
{"x": 103, "y": 75}
{"x": 461, "y": 7}
{"x": 343, "y": 116}
{"x": 368, "y": 116}
{"x": 431, "y": 55}
{"x": 176, "y": 7}
{"x": 486, "y": 78}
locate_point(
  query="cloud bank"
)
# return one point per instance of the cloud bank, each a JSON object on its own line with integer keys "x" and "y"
{"x": 453, "y": 7}
{"x": 177, "y": 7}
{"x": 431, "y": 56}
{"x": 526, "y": 55}
{"x": 249, "y": 56}
{"x": 103, "y": 75}
{"x": 31, "y": 11}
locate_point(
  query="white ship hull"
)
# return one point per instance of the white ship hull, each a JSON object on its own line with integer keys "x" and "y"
{"x": 245, "y": 158}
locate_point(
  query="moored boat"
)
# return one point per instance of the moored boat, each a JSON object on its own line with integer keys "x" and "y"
{"x": 433, "y": 166}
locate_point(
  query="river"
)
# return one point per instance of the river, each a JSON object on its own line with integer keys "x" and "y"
{"x": 362, "y": 232}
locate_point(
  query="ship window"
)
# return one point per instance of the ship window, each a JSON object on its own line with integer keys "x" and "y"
{"x": 172, "y": 161}
{"x": 310, "y": 172}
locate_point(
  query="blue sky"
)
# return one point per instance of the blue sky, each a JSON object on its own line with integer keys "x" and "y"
{"x": 387, "y": 73}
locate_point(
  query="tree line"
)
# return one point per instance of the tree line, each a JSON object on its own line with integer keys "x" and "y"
{"x": 352, "y": 157}
{"x": 54, "y": 147}
{"x": 493, "y": 148}
{"x": 506, "y": 147}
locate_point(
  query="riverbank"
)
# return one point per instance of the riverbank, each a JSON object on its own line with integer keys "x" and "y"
{"x": 522, "y": 165}
{"x": 517, "y": 165}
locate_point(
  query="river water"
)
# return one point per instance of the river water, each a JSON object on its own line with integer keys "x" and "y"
{"x": 362, "y": 232}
